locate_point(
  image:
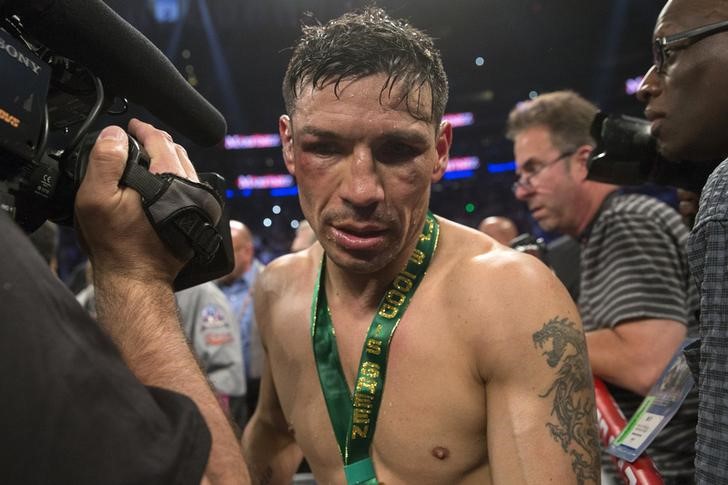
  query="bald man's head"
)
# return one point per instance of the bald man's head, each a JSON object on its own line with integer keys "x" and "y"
{"x": 243, "y": 251}
{"x": 240, "y": 231}
{"x": 686, "y": 99}
{"x": 305, "y": 237}
{"x": 501, "y": 229}
{"x": 697, "y": 12}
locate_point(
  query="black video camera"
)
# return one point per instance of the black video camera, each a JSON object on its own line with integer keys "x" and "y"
{"x": 626, "y": 154}
{"x": 48, "y": 105}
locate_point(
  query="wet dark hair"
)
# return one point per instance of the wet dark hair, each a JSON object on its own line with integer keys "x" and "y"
{"x": 365, "y": 43}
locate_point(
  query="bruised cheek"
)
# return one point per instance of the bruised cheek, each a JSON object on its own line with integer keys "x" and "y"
{"x": 414, "y": 185}
{"x": 307, "y": 198}
{"x": 314, "y": 192}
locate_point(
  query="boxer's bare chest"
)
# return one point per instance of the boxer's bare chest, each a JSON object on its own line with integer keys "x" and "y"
{"x": 432, "y": 416}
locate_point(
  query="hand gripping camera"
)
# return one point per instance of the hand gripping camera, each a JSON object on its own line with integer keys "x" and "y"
{"x": 48, "y": 105}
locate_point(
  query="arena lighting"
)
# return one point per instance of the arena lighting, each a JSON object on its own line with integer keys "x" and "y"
{"x": 632, "y": 84}
{"x": 272, "y": 140}
{"x": 282, "y": 185}
{"x": 221, "y": 70}
{"x": 271, "y": 181}
{"x": 284, "y": 192}
{"x": 459, "y": 119}
{"x": 463, "y": 163}
{"x": 166, "y": 11}
{"x": 610, "y": 44}
{"x": 465, "y": 167}
{"x": 458, "y": 174}
{"x": 502, "y": 167}
{"x": 245, "y": 142}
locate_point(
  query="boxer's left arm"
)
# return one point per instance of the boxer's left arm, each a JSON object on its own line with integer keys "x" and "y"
{"x": 541, "y": 416}
{"x": 133, "y": 275}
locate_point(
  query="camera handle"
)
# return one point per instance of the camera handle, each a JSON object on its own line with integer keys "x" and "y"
{"x": 184, "y": 213}
{"x": 187, "y": 216}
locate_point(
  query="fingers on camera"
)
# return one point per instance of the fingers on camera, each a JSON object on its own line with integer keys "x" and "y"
{"x": 187, "y": 167}
{"x": 165, "y": 155}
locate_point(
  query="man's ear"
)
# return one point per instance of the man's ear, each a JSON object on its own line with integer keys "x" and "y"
{"x": 285, "y": 130}
{"x": 442, "y": 146}
{"x": 580, "y": 160}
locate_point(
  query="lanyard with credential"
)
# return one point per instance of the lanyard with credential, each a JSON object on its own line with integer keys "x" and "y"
{"x": 354, "y": 417}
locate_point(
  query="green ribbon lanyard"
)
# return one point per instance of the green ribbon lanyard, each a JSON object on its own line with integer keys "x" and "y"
{"x": 354, "y": 417}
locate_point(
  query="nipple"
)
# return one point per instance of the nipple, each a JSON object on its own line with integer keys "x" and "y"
{"x": 440, "y": 453}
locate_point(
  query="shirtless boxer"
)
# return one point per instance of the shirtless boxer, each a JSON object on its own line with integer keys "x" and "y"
{"x": 487, "y": 379}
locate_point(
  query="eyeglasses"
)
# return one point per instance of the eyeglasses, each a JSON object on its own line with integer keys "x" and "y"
{"x": 525, "y": 177}
{"x": 663, "y": 46}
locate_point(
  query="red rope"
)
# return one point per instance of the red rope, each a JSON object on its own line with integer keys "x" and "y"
{"x": 611, "y": 422}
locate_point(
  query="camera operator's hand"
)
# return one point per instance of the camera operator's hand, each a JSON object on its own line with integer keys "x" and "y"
{"x": 133, "y": 273}
{"x": 110, "y": 218}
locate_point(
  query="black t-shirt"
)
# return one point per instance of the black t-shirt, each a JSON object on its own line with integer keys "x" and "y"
{"x": 562, "y": 255}
{"x": 70, "y": 410}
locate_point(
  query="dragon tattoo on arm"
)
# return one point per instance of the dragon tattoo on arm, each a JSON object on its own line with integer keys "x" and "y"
{"x": 572, "y": 391}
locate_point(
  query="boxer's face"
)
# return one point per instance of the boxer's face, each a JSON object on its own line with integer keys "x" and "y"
{"x": 687, "y": 100}
{"x": 364, "y": 166}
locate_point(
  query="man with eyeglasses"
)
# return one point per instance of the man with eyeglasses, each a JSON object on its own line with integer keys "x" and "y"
{"x": 636, "y": 300}
{"x": 687, "y": 102}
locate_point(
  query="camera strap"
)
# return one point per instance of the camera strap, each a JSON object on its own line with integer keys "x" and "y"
{"x": 183, "y": 213}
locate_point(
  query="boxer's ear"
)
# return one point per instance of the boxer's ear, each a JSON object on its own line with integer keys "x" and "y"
{"x": 285, "y": 130}
{"x": 442, "y": 146}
